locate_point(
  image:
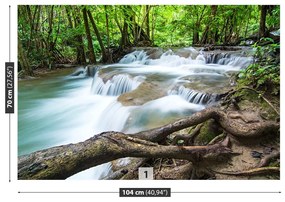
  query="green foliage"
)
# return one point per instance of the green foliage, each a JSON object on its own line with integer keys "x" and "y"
{"x": 274, "y": 18}
{"x": 49, "y": 33}
{"x": 264, "y": 73}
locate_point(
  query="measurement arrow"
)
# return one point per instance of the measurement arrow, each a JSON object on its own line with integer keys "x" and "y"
{"x": 227, "y": 192}
{"x": 9, "y": 33}
{"x": 9, "y": 90}
{"x": 68, "y": 192}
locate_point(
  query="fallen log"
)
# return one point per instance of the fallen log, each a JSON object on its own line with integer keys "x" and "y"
{"x": 63, "y": 161}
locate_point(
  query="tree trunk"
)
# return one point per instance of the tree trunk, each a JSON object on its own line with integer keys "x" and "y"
{"x": 107, "y": 26}
{"x": 147, "y": 9}
{"x": 262, "y": 22}
{"x": 92, "y": 58}
{"x": 152, "y": 26}
{"x": 103, "y": 50}
{"x": 100, "y": 149}
{"x": 80, "y": 56}
{"x": 125, "y": 37}
{"x": 63, "y": 161}
{"x": 196, "y": 34}
{"x": 23, "y": 60}
{"x": 209, "y": 34}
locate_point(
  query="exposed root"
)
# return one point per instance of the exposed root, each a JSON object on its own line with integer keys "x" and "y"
{"x": 267, "y": 159}
{"x": 184, "y": 137}
{"x": 133, "y": 169}
{"x": 251, "y": 172}
{"x": 194, "y": 134}
{"x": 217, "y": 139}
{"x": 63, "y": 161}
{"x": 117, "y": 175}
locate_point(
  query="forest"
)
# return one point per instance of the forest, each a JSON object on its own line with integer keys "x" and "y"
{"x": 58, "y": 34}
{"x": 232, "y": 57}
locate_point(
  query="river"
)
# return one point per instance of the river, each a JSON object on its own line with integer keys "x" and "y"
{"x": 136, "y": 94}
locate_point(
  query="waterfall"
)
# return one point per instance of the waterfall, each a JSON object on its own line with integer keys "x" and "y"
{"x": 193, "y": 96}
{"x": 187, "y": 56}
{"x": 228, "y": 59}
{"x": 118, "y": 121}
{"x": 170, "y": 59}
{"x": 138, "y": 57}
{"x": 117, "y": 85}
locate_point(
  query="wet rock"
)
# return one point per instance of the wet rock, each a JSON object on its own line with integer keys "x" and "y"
{"x": 152, "y": 52}
{"x": 146, "y": 91}
{"x": 92, "y": 69}
{"x": 187, "y": 52}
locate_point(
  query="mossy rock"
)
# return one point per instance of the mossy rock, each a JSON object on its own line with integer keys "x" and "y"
{"x": 251, "y": 100}
{"x": 208, "y": 131}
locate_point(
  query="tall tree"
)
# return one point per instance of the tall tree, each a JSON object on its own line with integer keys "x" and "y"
{"x": 262, "y": 22}
{"x": 74, "y": 22}
{"x": 198, "y": 13}
{"x": 23, "y": 60}
{"x": 107, "y": 26}
{"x": 92, "y": 58}
{"x": 147, "y": 10}
{"x": 210, "y": 30}
{"x": 103, "y": 50}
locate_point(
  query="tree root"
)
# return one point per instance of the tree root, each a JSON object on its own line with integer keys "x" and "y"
{"x": 216, "y": 139}
{"x": 63, "y": 161}
{"x": 195, "y": 133}
{"x": 177, "y": 172}
{"x": 231, "y": 126}
{"x": 251, "y": 172}
{"x": 184, "y": 137}
{"x": 188, "y": 139}
{"x": 117, "y": 175}
{"x": 267, "y": 159}
{"x": 133, "y": 169}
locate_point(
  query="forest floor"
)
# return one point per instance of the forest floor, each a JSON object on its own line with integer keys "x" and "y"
{"x": 249, "y": 154}
{"x": 251, "y": 158}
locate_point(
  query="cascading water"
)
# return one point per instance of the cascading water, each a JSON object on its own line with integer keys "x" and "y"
{"x": 117, "y": 85}
{"x": 194, "y": 96}
{"x": 138, "y": 93}
{"x": 228, "y": 59}
{"x": 138, "y": 57}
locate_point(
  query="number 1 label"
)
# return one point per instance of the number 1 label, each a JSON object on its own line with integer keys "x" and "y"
{"x": 146, "y": 173}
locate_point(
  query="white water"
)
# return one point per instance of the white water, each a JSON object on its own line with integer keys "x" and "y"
{"x": 193, "y": 96}
{"x": 117, "y": 85}
{"x": 76, "y": 108}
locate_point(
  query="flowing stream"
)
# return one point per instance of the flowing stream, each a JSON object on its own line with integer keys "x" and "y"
{"x": 136, "y": 94}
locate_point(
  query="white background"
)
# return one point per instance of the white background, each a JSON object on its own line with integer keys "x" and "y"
{"x": 10, "y": 190}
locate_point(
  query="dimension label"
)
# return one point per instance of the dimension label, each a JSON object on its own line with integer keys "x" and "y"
{"x": 145, "y": 192}
{"x": 9, "y": 87}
